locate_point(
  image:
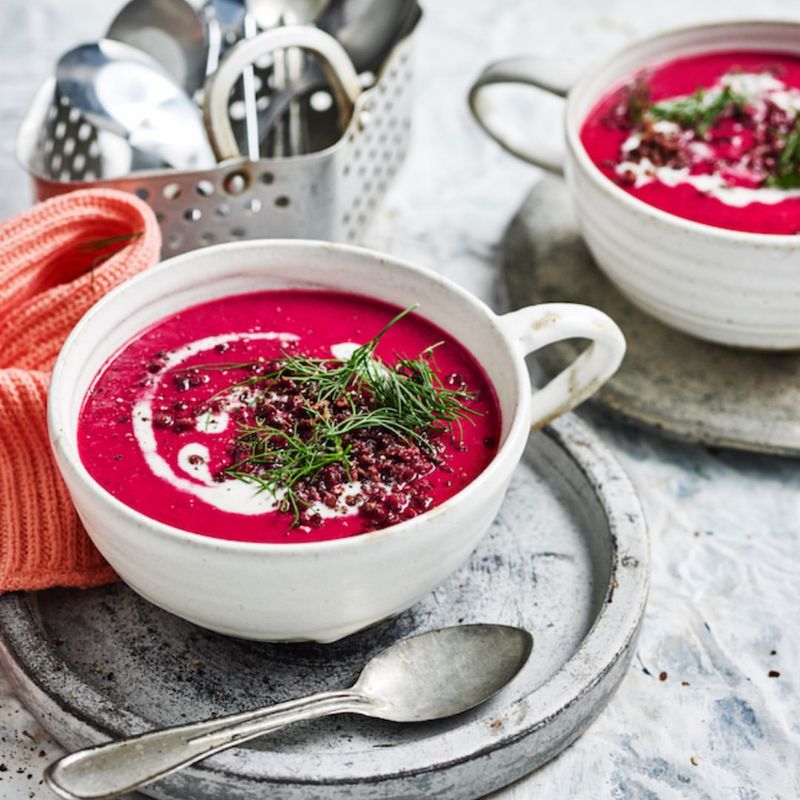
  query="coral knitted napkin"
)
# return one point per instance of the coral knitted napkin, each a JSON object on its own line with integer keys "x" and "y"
{"x": 56, "y": 260}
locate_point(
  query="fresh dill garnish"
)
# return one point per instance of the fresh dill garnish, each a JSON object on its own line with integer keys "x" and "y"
{"x": 107, "y": 247}
{"x": 110, "y": 241}
{"x": 282, "y": 460}
{"x": 700, "y": 110}
{"x": 787, "y": 173}
{"x": 406, "y": 399}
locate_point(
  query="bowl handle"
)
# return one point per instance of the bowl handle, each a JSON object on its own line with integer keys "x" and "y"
{"x": 547, "y": 75}
{"x": 534, "y": 327}
{"x": 332, "y": 56}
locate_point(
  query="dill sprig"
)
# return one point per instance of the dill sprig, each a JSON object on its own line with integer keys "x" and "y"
{"x": 697, "y": 111}
{"x": 787, "y": 172}
{"x": 406, "y": 399}
{"x": 107, "y": 247}
{"x": 283, "y": 460}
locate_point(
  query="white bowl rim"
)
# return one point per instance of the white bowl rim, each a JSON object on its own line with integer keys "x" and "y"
{"x": 603, "y": 182}
{"x": 55, "y": 414}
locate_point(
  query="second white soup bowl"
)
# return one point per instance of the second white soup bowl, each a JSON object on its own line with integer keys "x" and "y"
{"x": 726, "y": 286}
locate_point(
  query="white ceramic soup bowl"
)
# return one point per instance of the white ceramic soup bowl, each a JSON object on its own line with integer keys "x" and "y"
{"x": 326, "y": 590}
{"x": 725, "y": 286}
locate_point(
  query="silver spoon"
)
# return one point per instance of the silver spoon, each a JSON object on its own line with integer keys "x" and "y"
{"x": 119, "y": 88}
{"x": 368, "y": 29}
{"x": 299, "y": 12}
{"x": 430, "y": 676}
{"x": 172, "y": 32}
{"x": 230, "y": 16}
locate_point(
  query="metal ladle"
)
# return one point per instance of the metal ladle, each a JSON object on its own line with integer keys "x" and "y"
{"x": 120, "y": 89}
{"x": 430, "y": 676}
{"x": 172, "y": 32}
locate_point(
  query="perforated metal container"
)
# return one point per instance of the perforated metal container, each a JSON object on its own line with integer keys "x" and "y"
{"x": 330, "y": 194}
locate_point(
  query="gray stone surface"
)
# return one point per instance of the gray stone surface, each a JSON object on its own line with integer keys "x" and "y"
{"x": 725, "y": 526}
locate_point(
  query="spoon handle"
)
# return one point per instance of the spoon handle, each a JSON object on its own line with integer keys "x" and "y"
{"x": 249, "y": 93}
{"x": 111, "y": 769}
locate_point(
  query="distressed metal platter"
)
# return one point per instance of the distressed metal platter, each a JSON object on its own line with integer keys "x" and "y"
{"x": 566, "y": 558}
{"x": 679, "y": 385}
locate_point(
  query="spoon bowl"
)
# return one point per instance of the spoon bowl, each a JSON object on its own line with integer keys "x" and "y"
{"x": 172, "y": 32}
{"x": 430, "y": 676}
{"x": 368, "y": 29}
{"x": 443, "y": 672}
{"x": 121, "y": 89}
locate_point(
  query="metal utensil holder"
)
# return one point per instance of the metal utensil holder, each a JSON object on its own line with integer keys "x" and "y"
{"x": 331, "y": 194}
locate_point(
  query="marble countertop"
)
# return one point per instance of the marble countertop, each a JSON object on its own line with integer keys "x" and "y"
{"x": 698, "y": 715}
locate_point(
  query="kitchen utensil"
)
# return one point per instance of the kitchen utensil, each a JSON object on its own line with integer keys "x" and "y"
{"x": 214, "y": 39}
{"x": 331, "y": 194}
{"x": 266, "y": 16}
{"x": 170, "y": 31}
{"x": 230, "y": 17}
{"x": 229, "y": 21}
{"x": 287, "y": 65}
{"x": 425, "y": 677}
{"x": 119, "y": 88}
{"x": 367, "y": 43}
{"x": 343, "y": 79}
{"x": 368, "y": 29}
{"x": 298, "y": 12}
{"x": 249, "y": 88}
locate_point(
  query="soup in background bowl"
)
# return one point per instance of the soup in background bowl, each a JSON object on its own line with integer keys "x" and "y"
{"x": 680, "y": 152}
{"x": 712, "y": 138}
{"x": 211, "y": 565}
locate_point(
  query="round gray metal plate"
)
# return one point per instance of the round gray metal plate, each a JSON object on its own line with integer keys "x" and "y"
{"x": 680, "y": 385}
{"x": 566, "y": 558}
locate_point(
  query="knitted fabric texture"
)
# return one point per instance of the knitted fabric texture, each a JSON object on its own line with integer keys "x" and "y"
{"x": 56, "y": 261}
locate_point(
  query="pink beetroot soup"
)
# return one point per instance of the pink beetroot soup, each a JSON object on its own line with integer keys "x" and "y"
{"x": 175, "y": 423}
{"x": 713, "y": 138}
